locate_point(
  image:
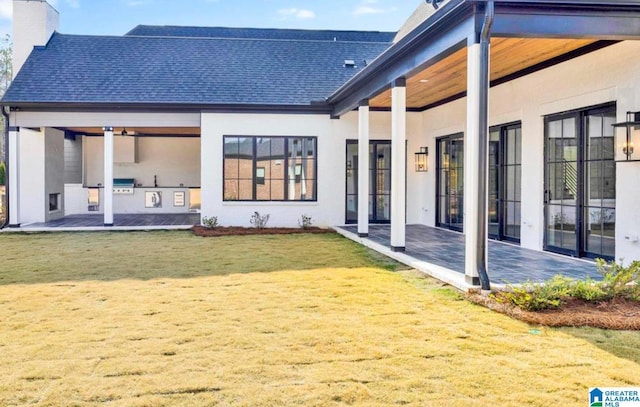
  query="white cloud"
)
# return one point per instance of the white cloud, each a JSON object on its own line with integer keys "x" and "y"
{"x": 297, "y": 13}
{"x": 371, "y": 7}
{"x": 6, "y": 9}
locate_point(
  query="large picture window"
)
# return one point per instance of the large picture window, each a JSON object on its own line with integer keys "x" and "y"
{"x": 270, "y": 168}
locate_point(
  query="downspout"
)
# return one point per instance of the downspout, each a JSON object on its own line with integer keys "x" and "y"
{"x": 6, "y": 165}
{"x": 485, "y": 41}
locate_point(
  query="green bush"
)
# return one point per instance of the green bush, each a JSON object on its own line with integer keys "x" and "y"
{"x": 2, "y": 173}
{"x": 588, "y": 290}
{"x": 539, "y": 296}
{"x": 618, "y": 281}
{"x": 210, "y": 223}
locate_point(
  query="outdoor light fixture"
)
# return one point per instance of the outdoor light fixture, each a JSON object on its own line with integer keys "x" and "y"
{"x": 627, "y": 138}
{"x": 421, "y": 159}
{"x": 124, "y": 132}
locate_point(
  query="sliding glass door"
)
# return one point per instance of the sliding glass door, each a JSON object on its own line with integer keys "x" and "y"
{"x": 580, "y": 179}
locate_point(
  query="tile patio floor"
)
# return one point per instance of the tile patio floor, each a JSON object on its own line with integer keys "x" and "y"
{"x": 120, "y": 222}
{"x": 508, "y": 263}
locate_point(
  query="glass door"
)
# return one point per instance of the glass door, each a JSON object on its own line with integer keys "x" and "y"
{"x": 379, "y": 181}
{"x": 450, "y": 182}
{"x": 505, "y": 174}
{"x": 580, "y": 183}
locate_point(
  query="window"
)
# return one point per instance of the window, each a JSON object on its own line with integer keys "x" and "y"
{"x": 270, "y": 168}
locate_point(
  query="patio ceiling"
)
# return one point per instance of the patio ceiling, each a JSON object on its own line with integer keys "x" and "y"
{"x": 147, "y": 131}
{"x": 527, "y": 35}
{"x": 447, "y": 79}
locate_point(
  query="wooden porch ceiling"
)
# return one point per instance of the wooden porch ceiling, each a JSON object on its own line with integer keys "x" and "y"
{"x": 146, "y": 131}
{"x": 448, "y": 77}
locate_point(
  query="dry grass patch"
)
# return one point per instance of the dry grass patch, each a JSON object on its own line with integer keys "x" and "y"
{"x": 285, "y": 320}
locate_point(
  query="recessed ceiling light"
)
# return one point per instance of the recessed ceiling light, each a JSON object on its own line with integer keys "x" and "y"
{"x": 424, "y": 80}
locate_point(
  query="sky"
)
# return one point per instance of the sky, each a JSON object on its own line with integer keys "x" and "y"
{"x": 116, "y": 17}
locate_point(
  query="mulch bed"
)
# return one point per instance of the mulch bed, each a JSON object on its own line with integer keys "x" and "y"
{"x": 619, "y": 314}
{"x": 240, "y": 231}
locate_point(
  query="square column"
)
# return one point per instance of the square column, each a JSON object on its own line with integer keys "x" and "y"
{"x": 363, "y": 169}
{"x": 398, "y": 163}
{"x": 476, "y": 155}
{"x": 108, "y": 176}
{"x": 13, "y": 181}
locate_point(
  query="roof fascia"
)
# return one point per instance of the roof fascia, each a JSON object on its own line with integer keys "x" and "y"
{"x": 602, "y": 20}
{"x": 315, "y": 108}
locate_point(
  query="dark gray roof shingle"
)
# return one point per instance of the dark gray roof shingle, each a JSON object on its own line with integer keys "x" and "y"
{"x": 172, "y": 70}
{"x": 261, "y": 33}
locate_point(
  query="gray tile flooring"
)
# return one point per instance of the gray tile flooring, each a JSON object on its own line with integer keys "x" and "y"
{"x": 133, "y": 220}
{"x": 507, "y": 263}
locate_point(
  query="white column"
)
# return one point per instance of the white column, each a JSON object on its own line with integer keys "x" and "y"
{"x": 398, "y": 163}
{"x": 108, "y": 176}
{"x": 363, "y": 169}
{"x": 14, "y": 176}
{"x": 472, "y": 215}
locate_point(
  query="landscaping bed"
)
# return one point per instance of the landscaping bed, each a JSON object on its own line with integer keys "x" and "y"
{"x": 618, "y": 314}
{"x": 242, "y": 231}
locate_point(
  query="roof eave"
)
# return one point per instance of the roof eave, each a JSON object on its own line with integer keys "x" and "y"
{"x": 312, "y": 108}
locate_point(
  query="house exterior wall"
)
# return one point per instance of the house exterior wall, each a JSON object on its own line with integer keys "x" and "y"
{"x": 53, "y": 172}
{"x": 32, "y": 182}
{"x": 331, "y": 146}
{"x": 607, "y": 75}
{"x": 33, "y": 23}
{"x": 175, "y": 161}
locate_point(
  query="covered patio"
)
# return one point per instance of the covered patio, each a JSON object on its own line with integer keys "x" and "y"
{"x": 440, "y": 253}
{"x": 95, "y": 222}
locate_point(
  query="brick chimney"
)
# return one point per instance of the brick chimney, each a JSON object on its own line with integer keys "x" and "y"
{"x": 34, "y": 21}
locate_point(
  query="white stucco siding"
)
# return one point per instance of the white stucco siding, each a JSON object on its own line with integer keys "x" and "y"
{"x": 607, "y": 75}
{"x": 102, "y": 119}
{"x": 331, "y": 135}
{"x": 32, "y": 176}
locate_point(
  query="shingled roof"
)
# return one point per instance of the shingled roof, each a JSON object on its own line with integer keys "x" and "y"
{"x": 132, "y": 69}
{"x": 261, "y": 33}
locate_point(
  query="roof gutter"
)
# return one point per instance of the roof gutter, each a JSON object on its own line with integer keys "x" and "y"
{"x": 6, "y": 165}
{"x": 483, "y": 136}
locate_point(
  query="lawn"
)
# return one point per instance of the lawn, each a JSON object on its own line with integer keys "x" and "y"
{"x": 170, "y": 319}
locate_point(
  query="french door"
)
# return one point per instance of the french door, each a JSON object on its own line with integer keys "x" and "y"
{"x": 505, "y": 174}
{"x": 450, "y": 182}
{"x": 580, "y": 183}
{"x": 379, "y": 181}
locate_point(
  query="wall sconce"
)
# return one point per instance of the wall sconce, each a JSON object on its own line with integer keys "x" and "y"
{"x": 421, "y": 159}
{"x": 627, "y": 138}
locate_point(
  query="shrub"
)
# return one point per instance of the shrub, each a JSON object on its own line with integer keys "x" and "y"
{"x": 618, "y": 280}
{"x": 2, "y": 173}
{"x": 305, "y": 221}
{"x": 588, "y": 290}
{"x": 538, "y": 296}
{"x": 210, "y": 223}
{"x": 259, "y": 221}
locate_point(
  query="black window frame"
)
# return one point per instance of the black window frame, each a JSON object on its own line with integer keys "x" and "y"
{"x": 502, "y": 168}
{"x": 285, "y": 158}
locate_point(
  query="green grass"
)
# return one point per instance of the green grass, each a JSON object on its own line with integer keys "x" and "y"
{"x": 170, "y": 319}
